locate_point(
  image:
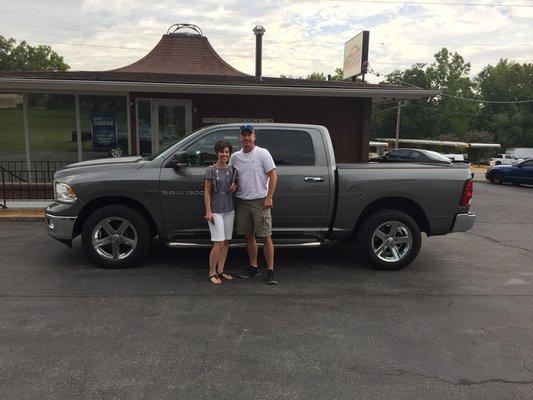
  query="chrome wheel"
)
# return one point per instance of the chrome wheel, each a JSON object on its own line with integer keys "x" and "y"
{"x": 392, "y": 241}
{"x": 114, "y": 238}
{"x": 116, "y": 152}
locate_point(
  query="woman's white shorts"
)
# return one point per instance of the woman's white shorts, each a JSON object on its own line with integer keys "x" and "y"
{"x": 222, "y": 229}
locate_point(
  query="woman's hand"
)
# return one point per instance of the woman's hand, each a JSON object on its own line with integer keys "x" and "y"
{"x": 209, "y": 217}
{"x": 233, "y": 187}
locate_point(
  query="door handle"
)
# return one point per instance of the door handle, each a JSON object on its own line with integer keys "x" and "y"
{"x": 314, "y": 179}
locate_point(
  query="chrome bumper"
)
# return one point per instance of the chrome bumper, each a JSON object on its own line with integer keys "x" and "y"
{"x": 463, "y": 222}
{"x": 60, "y": 228}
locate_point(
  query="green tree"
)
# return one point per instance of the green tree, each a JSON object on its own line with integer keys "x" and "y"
{"x": 449, "y": 75}
{"x": 317, "y": 76}
{"x": 445, "y": 113}
{"x": 23, "y": 57}
{"x": 320, "y": 76}
{"x": 418, "y": 117}
{"x": 337, "y": 76}
{"x": 511, "y": 124}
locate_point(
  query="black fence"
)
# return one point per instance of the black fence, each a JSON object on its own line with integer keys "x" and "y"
{"x": 20, "y": 185}
{"x": 45, "y": 166}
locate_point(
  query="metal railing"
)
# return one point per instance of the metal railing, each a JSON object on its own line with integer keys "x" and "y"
{"x": 24, "y": 185}
{"x": 20, "y": 165}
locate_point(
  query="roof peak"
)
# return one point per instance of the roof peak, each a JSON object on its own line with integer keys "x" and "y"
{"x": 172, "y": 29}
{"x": 183, "y": 53}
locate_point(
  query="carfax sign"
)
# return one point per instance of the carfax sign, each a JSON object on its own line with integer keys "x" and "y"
{"x": 104, "y": 129}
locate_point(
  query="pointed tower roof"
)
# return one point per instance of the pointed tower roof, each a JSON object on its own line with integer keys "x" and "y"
{"x": 182, "y": 54}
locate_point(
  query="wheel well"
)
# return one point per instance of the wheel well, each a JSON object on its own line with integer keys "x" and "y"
{"x": 397, "y": 203}
{"x": 95, "y": 204}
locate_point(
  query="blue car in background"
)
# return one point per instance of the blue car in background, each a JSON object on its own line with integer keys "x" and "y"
{"x": 521, "y": 173}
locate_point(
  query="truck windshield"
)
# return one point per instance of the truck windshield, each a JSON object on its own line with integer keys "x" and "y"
{"x": 170, "y": 150}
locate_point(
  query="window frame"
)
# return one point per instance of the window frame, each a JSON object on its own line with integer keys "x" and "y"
{"x": 188, "y": 146}
{"x": 309, "y": 135}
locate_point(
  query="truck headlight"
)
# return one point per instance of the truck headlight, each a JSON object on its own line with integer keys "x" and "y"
{"x": 64, "y": 193}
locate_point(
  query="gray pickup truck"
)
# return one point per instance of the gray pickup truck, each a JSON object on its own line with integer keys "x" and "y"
{"x": 119, "y": 205}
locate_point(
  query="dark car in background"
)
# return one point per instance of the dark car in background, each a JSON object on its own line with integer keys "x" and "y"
{"x": 413, "y": 155}
{"x": 518, "y": 174}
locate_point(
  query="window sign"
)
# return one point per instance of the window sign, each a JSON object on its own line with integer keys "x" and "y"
{"x": 104, "y": 129}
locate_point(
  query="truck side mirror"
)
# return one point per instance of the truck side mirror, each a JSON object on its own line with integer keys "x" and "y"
{"x": 179, "y": 159}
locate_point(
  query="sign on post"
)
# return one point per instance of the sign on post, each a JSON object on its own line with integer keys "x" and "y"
{"x": 356, "y": 55}
{"x": 104, "y": 129}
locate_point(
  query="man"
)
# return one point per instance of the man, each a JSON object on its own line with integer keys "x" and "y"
{"x": 257, "y": 180}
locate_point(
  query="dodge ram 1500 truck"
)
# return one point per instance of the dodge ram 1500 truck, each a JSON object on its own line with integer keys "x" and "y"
{"x": 119, "y": 205}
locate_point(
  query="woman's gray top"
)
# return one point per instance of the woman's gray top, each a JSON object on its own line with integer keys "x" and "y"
{"x": 221, "y": 197}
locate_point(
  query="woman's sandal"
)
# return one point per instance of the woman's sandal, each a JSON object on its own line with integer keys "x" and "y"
{"x": 225, "y": 276}
{"x": 214, "y": 279}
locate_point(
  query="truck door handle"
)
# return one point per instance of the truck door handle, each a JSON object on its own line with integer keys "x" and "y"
{"x": 314, "y": 179}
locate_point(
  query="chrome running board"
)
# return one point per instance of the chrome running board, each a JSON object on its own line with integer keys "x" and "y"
{"x": 241, "y": 245}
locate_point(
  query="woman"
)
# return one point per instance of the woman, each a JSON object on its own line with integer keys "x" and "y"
{"x": 219, "y": 184}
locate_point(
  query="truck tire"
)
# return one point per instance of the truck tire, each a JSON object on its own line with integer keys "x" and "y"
{"x": 116, "y": 236}
{"x": 389, "y": 239}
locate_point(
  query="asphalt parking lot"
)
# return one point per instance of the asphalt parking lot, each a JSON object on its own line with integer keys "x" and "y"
{"x": 457, "y": 323}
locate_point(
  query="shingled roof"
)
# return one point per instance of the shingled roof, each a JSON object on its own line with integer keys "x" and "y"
{"x": 182, "y": 54}
{"x": 187, "y": 63}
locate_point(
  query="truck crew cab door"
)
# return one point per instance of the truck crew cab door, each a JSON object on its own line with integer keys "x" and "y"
{"x": 304, "y": 196}
{"x": 181, "y": 189}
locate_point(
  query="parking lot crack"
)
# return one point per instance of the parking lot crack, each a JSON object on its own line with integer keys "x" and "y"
{"x": 524, "y": 365}
{"x": 459, "y": 382}
{"x": 492, "y": 240}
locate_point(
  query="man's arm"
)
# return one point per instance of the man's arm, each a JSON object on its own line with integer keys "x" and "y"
{"x": 272, "y": 181}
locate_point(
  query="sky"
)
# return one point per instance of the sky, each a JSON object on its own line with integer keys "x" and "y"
{"x": 301, "y": 36}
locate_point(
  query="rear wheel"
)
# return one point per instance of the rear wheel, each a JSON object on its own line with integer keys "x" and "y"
{"x": 389, "y": 239}
{"x": 496, "y": 177}
{"x": 116, "y": 236}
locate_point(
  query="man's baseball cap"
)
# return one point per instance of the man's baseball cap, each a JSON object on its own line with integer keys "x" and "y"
{"x": 245, "y": 128}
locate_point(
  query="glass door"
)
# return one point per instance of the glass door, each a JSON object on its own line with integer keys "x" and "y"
{"x": 161, "y": 123}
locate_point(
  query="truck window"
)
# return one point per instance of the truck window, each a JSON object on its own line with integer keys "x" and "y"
{"x": 202, "y": 151}
{"x": 288, "y": 147}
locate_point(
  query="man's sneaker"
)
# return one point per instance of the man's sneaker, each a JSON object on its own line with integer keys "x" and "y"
{"x": 250, "y": 272}
{"x": 271, "y": 277}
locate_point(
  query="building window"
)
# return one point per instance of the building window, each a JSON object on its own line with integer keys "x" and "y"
{"x": 12, "y": 145}
{"x": 52, "y": 127}
{"x": 104, "y": 126}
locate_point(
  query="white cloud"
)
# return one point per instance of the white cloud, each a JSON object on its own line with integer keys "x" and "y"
{"x": 301, "y": 36}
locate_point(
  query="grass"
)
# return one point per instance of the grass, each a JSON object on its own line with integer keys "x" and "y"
{"x": 49, "y": 129}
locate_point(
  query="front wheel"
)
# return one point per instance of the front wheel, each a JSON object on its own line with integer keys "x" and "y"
{"x": 116, "y": 236}
{"x": 389, "y": 239}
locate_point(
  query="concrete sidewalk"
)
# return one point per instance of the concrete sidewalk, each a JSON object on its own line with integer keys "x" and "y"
{"x": 25, "y": 213}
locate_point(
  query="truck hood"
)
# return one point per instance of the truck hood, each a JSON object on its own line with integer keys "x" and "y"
{"x": 105, "y": 161}
{"x": 98, "y": 167}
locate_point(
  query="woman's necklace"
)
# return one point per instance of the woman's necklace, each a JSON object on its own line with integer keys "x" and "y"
{"x": 217, "y": 171}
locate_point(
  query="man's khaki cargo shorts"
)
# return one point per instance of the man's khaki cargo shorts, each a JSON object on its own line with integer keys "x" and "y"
{"x": 252, "y": 219}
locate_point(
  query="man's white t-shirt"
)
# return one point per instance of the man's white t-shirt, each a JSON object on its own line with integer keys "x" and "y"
{"x": 252, "y": 168}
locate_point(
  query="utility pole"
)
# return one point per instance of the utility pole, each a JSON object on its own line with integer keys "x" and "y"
{"x": 397, "y": 124}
